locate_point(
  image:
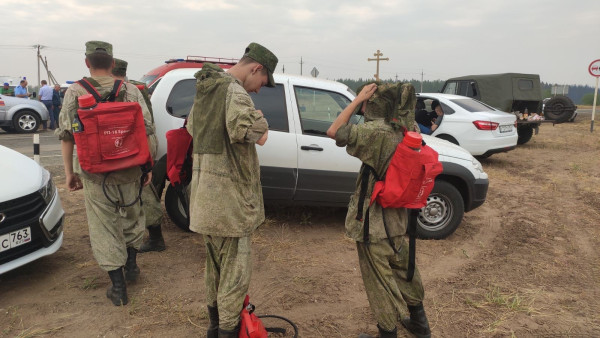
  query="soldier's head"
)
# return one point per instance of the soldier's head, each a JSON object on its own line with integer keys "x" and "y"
{"x": 98, "y": 55}
{"x": 119, "y": 71}
{"x": 256, "y": 68}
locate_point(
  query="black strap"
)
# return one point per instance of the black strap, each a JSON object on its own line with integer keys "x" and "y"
{"x": 112, "y": 96}
{"x": 364, "y": 184}
{"x": 412, "y": 243}
{"x": 90, "y": 89}
{"x": 113, "y": 93}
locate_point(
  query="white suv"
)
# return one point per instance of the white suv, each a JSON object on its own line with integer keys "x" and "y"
{"x": 31, "y": 214}
{"x": 301, "y": 165}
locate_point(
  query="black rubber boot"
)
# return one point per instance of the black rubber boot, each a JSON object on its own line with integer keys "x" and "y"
{"x": 382, "y": 333}
{"x": 230, "y": 334}
{"x": 417, "y": 324}
{"x": 155, "y": 241}
{"x": 213, "y": 327}
{"x": 117, "y": 293}
{"x": 132, "y": 271}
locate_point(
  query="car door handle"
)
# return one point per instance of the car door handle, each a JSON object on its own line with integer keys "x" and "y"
{"x": 311, "y": 147}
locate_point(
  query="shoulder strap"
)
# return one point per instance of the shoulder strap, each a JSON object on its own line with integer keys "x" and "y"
{"x": 90, "y": 89}
{"x": 115, "y": 91}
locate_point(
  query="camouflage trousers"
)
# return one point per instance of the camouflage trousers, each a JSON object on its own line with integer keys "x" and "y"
{"x": 228, "y": 271}
{"x": 152, "y": 208}
{"x": 384, "y": 276}
{"x": 113, "y": 230}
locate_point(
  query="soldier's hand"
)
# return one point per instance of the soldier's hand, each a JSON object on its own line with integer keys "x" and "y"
{"x": 148, "y": 179}
{"x": 74, "y": 183}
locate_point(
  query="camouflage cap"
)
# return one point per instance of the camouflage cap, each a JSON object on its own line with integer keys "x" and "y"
{"x": 92, "y": 47}
{"x": 120, "y": 67}
{"x": 263, "y": 56}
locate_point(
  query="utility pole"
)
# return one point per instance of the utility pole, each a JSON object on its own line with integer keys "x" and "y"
{"x": 283, "y": 69}
{"x": 378, "y": 54}
{"x": 38, "y": 62}
{"x": 421, "y": 80}
{"x": 301, "y": 65}
{"x": 396, "y": 77}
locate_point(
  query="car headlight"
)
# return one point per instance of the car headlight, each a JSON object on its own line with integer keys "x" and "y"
{"x": 47, "y": 190}
{"x": 477, "y": 165}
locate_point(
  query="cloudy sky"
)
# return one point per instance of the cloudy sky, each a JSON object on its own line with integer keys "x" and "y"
{"x": 556, "y": 39}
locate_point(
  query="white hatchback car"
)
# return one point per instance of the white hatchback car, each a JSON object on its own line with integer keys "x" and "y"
{"x": 473, "y": 125}
{"x": 31, "y": 214}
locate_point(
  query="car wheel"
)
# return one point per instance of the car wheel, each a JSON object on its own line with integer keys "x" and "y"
{"x": 559, "y": 109}
{"x": 8, "y": 129}
{"x": 26, "y": 121}
{"x": 524, "y": 134}
{"x": 175, "y": 208}
{"x": 442, "y": 214}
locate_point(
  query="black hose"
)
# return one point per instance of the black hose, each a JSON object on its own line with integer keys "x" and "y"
{"x": 280, "y": 330}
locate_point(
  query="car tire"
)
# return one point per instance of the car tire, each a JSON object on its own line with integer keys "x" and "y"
{"x": 559, "y": 109}
{"x": 26, "y": 121}
{"x": 175, "y": 208}
{"x": 524, "y": 134}
{"x": 442, "y": 214}
{"x": 8, "y": 129}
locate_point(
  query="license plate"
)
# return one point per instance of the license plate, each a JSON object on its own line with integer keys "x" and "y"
{"x": 15, "y": 238}
{"x": 505, "y": 129}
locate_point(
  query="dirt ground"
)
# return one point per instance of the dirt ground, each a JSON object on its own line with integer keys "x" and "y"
{"x": 526, "y": 263}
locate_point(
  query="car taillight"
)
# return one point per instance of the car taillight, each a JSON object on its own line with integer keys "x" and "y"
{"x": 486, "y": 125}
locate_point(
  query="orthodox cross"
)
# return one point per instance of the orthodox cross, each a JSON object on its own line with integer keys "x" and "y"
{"x": 378, "y": 54}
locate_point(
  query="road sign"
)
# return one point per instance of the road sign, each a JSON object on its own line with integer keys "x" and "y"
{"x": 314, "y": 72}
{"x": 594, "y": 68}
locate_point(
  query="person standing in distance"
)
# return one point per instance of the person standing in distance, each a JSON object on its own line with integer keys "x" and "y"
{"x": 226, "y": 202}
{"x": 56, "y": 102}
{"x": 116, "y": 233}
{"x": 45, "y": 96}
{"x": 150, "y": 195}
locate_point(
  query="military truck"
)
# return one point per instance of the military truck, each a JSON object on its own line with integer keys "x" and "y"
{"x": 520, "y": 94}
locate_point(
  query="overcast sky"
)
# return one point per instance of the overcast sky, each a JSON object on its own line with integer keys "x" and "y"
{"x": 556, "y": 39}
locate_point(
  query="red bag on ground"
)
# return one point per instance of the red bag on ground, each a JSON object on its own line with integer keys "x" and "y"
{"x": 110, "y": 136}
{"x": 409, "y": 178}
{"x": 250, "y": 325}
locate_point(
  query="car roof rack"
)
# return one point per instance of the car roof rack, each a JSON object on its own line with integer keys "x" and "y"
{"x": 202, "y": 59}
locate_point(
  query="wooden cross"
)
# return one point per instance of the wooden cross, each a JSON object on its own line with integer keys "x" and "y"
{"x": 378, "y": 54}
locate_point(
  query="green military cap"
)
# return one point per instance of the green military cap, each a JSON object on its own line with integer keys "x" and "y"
{"x": 92, "y": 47}
{"x": 120, "y": 66}
{"x": 263, "y": 56}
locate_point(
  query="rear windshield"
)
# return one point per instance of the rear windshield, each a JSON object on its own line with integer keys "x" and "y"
{"x": 472, "y": 105}
{"x": 147, "y": 79}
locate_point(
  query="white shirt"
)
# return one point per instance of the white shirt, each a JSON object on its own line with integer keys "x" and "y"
{"x": 46, "y": 93}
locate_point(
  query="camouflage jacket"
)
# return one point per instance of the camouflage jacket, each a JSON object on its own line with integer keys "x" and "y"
{"x": 67, "y": 114}
{"x": 373, "y": 143}
{"x": 226, "y": 195}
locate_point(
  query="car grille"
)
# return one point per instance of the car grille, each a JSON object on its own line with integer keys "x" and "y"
{"x": 20, "y": 213}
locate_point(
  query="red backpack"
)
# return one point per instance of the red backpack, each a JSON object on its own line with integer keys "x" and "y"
{"x": 110, "y": 136}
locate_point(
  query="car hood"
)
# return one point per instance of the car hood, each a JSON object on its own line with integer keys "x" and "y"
{"x": 19, "y": 175}
{"x": 445, "y": 148}
{"x": 13, "y": 101}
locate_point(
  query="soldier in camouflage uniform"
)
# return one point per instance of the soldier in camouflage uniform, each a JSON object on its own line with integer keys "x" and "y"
{"x": 115, "y": 233}
{"x": 226, "y": 203}
{"x": 386, "y": 108}
{"x": 150, "y": 194}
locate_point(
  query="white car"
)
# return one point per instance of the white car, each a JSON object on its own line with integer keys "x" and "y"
{"x": 31, "y": 214}
{"x": 21, "y": 115}
{"x": 473, "y": 125}
{"x": 301, "y": 165}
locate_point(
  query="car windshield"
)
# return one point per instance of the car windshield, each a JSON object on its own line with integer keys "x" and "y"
{"x": 472, "y": 105}
{"x": 147, "y": 79}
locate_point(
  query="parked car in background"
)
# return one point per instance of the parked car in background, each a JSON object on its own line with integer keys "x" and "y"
{"x": 300, "y": 165}
{"x": 21, "y": 115}
{"x": 31, "y": 213}
{"x": 473, "y": 125}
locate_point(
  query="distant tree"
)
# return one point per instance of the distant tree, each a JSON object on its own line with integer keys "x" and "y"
{"x": 588, "y": 100}
{"x": 428, "y": 86}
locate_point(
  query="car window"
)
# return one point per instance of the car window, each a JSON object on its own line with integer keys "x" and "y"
{"x": 472, "y": 105}
{"x": 447, "y": 110}
{"x": 450, "y": 88}
{"x": 319, "y": 108}
{"x": 525, "y": 84}
{"x": 147, "y": 79}
{"x": 181, "y": 98}
{"x": 153, "y": 86}
{"x": 271, "y": 101}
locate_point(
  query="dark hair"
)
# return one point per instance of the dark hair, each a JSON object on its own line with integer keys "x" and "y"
{"x": 434, "y": 104}
{"x": 44, "y": 82}
{"x": 120, "y": 72}
{"x": 22, "y": 81}
{"x": 100, "y": 60}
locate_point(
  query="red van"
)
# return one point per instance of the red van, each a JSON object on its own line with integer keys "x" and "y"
{"x": 153, "y": 77}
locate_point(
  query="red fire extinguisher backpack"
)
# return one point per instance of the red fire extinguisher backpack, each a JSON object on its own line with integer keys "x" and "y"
{"x": 250, "y": 325}
{"x": 110, "y": 136}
